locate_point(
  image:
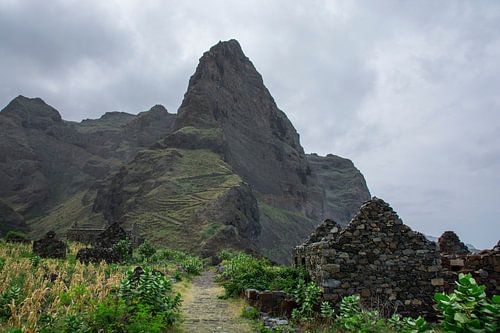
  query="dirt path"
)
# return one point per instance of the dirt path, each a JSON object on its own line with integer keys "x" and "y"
{"x": 203, "y": 312}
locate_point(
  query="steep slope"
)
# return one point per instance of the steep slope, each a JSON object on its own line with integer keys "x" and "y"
{"x": 343, "y": 186}
{"x": 227, "y": 94}
{"x": 45, "y": 161}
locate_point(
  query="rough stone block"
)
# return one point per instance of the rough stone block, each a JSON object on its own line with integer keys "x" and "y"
{"x": 437, "y": 282}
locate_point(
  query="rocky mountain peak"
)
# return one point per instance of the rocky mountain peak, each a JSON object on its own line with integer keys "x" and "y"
{"x": 32, "y": 112}
{"x": 226, "y": 93}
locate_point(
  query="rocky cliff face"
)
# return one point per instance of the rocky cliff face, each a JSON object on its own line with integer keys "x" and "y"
{"x": 227, "y": 171}
{"x": 227, "y": 94}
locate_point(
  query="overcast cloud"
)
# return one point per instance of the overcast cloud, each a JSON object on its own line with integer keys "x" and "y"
{"x": 409, "y": 90}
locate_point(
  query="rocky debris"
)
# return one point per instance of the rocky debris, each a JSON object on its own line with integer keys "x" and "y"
{"x": 449, "y": 243}
{"x": 379, "y": 258}
{"x": 275, "y": 303}
{"x": 272, "y": 323}
{"x": 96, "y": 255}
{"x": 50, "y": 247}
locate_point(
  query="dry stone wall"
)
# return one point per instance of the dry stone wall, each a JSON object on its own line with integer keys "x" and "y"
{"x": 484, "y": 266}
{"x": 378, "y": 257}
{"x": 449, "y": 243}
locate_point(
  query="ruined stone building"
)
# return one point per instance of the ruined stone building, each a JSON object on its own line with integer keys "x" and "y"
{"x": 376, "y": 256}
{"x": 94, "y": 236}
{"x": 456, "y": 258}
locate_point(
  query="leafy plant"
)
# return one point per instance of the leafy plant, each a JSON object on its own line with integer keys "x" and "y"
{"x": 8, "y": 296}
{"x": 15, "y": 236}
{"x": 326, "y": 310}
{"x": 146, "y": 250}
{"x": 150, "y": 289}
{"x": 35, "y": 261}
{"x": 244, "y": 271}
{"x": 123, "y": 248}
{"x": 192, "y": 265}
{"x": 307, "y": 297}
{"x": 467, "y": 309}
{"x": 250, "y": 312}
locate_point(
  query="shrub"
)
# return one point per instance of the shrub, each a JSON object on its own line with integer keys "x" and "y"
{"x": 192, "y": 265}
{"x": 16, "y": 236}
{"x": 10, "y": 294}
{"x": 123, "y": 249}
{"x": 467, "y": 309}
{"x": 307, "y": 297}
{"x": 250, "y": 312}
{"x": 244, "y": 271}
{"x": 227, "y": 254}
{"x": 146, "y": 250}
{"x": 150, "y": 289}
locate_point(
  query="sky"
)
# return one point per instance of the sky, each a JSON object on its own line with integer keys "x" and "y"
{"x": 409, "y": 90}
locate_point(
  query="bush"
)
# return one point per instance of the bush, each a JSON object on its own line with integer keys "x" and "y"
{"x": 250, "y": 312}
{"x": 10, "y": 294}
{"x": 16, "y": 236}
{"x": 307, "y": 297}
{"x": 467, "y": 309}
{"x": 146, "y": 250}
{"x": 123, "y": 249}
{"x": 192, "y": 265}
{"x": 150, "y": 289}
{"x": 244, "y": 271}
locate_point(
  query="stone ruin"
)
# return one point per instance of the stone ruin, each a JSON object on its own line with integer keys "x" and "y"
{"x": 376, "y": 256}
{"x": 50, "y": 247}
{"x": 449, "y": 243}
{"x": 103, "y": 244}
{"x": 92, "y": 235}
{"x": 456, "y": 258}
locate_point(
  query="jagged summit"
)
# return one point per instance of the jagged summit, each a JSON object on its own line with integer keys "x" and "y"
{"x": 227, "y": 94}
{"x": 32, "y": 112}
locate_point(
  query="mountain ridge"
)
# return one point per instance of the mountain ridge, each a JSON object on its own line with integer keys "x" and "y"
{"x": 227, "y": 170}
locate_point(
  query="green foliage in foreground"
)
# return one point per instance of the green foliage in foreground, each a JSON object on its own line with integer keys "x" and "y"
{"x": 465, "y": 310}
{"x": 243, "y": 271}
{"x": 468, "y": 309}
